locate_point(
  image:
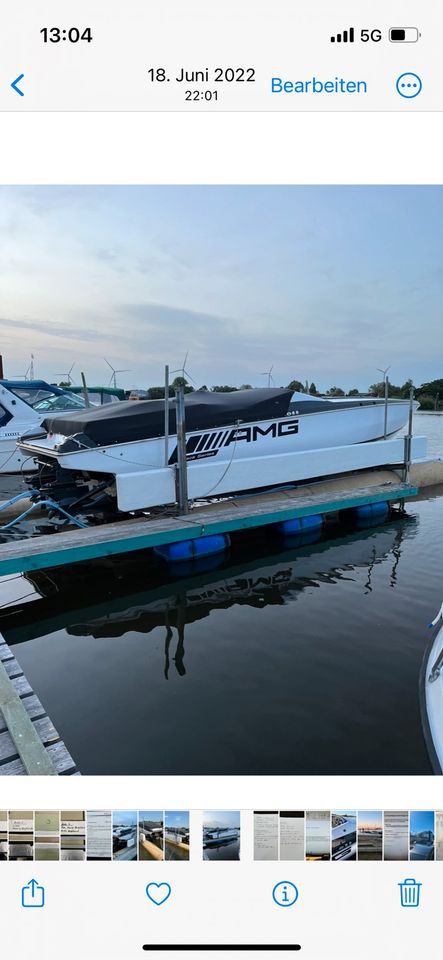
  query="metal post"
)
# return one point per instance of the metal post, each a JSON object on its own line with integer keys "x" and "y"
{"x": 85, "y": 390}
{"x": 386, "y": 405}
{"x": 386, "y": 385}
{"x": 182, "y": 466}
{"x": 1, "y": 368}
{"x": 408, "y": 438}
{"x": 166, "y": 415}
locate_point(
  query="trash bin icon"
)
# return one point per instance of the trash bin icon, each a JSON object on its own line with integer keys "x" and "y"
{"x": 409, "y": 893}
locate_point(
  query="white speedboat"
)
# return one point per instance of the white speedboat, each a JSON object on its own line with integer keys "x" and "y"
{"x": 23, "y": 406}
{"x": 432, "y": 695}
{"x": 216, "y": 836}
{"x": 234, "y": 442}
{"x": 344, "y": 837}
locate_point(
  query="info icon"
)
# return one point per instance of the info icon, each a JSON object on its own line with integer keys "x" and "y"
{"x": 285, "y": 893}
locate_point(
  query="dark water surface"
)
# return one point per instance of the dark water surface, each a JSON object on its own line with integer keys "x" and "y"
{"x": 280, "y": 659}
{"x": 225, "y": 851}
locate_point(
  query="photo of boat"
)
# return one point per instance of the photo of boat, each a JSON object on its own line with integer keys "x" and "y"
{"x": 344, "y": 835}
{"x": 151, "y": 835}
{"x": 124, "y": 835}
{"x": 221, "y": 835}
{"x": 235, "y": 441}
{"x": 240, "y": 504}
{"x": 422, "y": 835}
{"x": 177, "y": 835}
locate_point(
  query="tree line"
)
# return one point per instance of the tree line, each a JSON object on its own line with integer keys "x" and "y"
{"x": 430, "y": 395}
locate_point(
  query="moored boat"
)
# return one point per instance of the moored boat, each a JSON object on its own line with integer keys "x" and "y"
{"x": 216, "y": 836}
{"x": 23, "y": 406}
{"x": 431, "y": 692}
{"x": 234, "y": 442}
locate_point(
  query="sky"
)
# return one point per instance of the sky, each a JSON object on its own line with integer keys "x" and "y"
{"x": 221, "y": 818}
{"x": 324, "y": 284}
{"x": 126, "y": 818}
{"x": 177, "y": 818}
{"x": 421, "y": 820}
{"x": 370, "y": 818}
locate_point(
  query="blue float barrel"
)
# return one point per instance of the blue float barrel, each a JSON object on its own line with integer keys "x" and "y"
{"x": 193, "y": 549}
{"x": 368, "y": 515}
{"x": 372, "y": 511}
{"x": 300, "y": 525}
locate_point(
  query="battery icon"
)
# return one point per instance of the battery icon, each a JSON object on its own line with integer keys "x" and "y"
{"x": 404, "y": 34}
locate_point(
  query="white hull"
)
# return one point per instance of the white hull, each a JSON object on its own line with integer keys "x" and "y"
{"x": 433, "y": 701}
{"x": 20, "y": 419}
{"x": 237, "y": 457}
{"x": 12, "y": 459}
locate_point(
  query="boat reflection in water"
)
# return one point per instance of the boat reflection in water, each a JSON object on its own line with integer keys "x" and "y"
{"x": 261, "y": 662}
{"x": 110, "y": 598}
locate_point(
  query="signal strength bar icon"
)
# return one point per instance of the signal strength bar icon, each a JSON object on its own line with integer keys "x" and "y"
{"x": 347, "y": 36}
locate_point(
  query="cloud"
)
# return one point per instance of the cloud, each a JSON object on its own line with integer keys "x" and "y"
{"x": 46, "y": 200}
{"x": 49, "y": 328}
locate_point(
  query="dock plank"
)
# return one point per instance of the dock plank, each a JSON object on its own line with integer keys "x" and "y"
{"x": 29, "y": 741}
{"x": 59, "y": 756}
{"x": 45, "y": 730}
{"x": 33, "y": 707}
{"x": 13, "y": 669}
{"x": 21, "y": 686}
{"x": 240, "y": 513}
{"x": 22, "y": 732}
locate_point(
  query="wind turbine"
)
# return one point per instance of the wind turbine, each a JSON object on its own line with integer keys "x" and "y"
{"x": 113, "y": 380}
{"x": 30, "y": 370}
{"x": 67, "y": 376}
{"x": 268, "y": 374}
{"x": 384, "y": 372}
{"x": 184, "y": 371}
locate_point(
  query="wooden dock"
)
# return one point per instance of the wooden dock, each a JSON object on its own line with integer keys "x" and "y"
{"x": 224, "y": 516}
{"x": 29, "y": 742}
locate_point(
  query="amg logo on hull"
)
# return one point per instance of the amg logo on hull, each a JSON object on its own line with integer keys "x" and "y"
{"x": 202, "y": 445}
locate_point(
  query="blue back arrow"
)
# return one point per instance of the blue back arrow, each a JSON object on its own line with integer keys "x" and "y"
{"x": 15, "y": 87}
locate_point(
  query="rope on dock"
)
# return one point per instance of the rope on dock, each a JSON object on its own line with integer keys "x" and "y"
{"x": 40, "y": 503}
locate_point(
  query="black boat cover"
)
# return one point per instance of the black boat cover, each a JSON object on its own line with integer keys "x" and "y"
{"x": 130, "y": 420}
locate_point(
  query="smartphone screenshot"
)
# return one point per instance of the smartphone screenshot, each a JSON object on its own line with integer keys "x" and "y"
{"x": 221, "y": 480}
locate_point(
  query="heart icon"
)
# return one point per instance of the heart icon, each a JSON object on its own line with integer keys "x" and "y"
{"x": 158, "y": 892}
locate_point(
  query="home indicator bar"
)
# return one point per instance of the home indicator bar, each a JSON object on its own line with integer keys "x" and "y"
{"x": 220, "y": 947}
